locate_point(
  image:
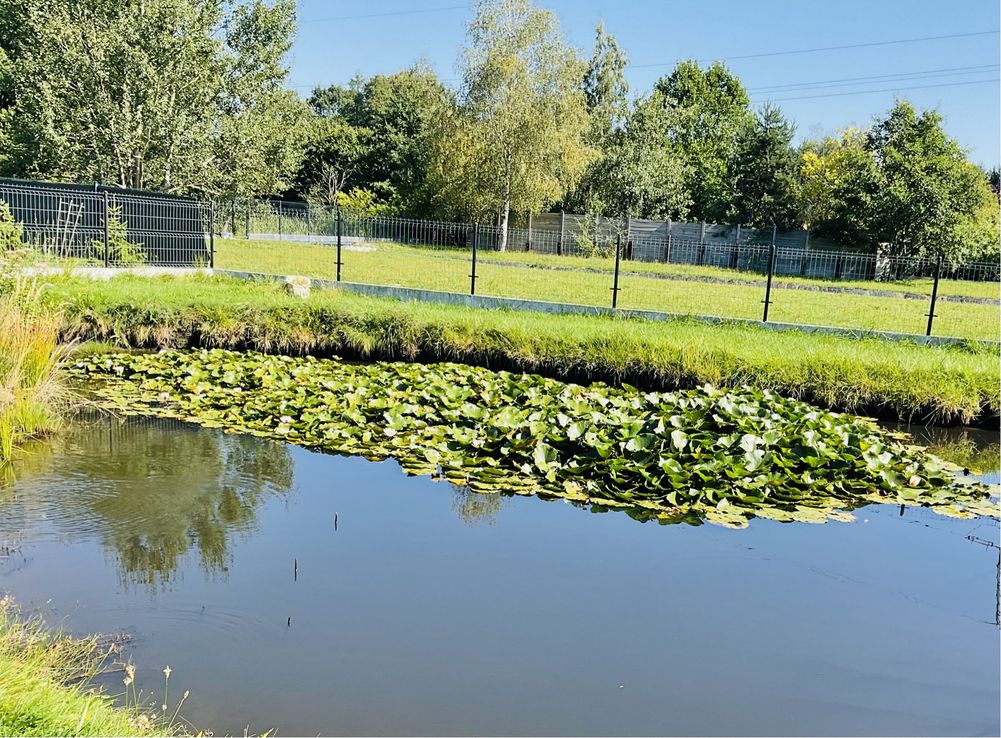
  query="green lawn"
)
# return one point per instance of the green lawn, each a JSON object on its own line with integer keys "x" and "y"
{"x": 892, "y": 378}
{"x": 448, "y": 270}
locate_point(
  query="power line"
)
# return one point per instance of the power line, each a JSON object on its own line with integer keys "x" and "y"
{"x": 886, "y": 89}
{"x": 928, "y": 73}
{"x": 843, "y": 82}
{"x": 830, "y": 48}
{"x": 384, "y": 15}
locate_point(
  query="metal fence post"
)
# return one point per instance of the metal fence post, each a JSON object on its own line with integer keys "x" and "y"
{"x": 615, "y": 279}
{"x": 768, "y": 284}
{"x": 211, "y": 236}
{"x": 107, "y": 245}
{"x": 559, "y": 244}
{"x": 246, "y": 233}
{"x": 528, "y": 246}
{"x": 934, "y": 294}
{"x": 338, "y": 242}
{"x": 279, "y": 220}
{"x": 472, "y": 274}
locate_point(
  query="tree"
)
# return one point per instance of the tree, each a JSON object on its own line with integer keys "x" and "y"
{"x": 517, "y": 138}
{"x": 606, "y": 91}
{"x": 838, "y": 187}
{"x": 379, "y": 132}
{"x": 401, "y": 110}
{"x": 930, "y": 194}
{"x": 335, "y": 152}
{"x": 642, "y": 175}
{"x": 994, "y": 179}
{"x": 712, "y": 117}
{"x": 766, "y": 172}
{"x": 174, "y": 95}
{"x": 606, "y": 94}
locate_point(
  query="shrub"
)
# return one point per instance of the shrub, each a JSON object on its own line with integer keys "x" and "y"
{"x": 121, "y": 252}
{"x": 11, "y": 232}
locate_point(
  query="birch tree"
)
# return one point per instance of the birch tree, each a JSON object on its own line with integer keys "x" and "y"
{"x": 518, "y": 136}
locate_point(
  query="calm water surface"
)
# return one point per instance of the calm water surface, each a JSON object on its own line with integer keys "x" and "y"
{"x": 421, "y": 609}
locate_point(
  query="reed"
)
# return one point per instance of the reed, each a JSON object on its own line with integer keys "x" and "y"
{"x": 33, "y": 395}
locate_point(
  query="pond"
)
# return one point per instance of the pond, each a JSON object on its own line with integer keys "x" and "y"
{"x": 309, "y": 593}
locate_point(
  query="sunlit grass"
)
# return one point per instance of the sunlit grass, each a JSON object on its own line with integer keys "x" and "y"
{"x": 46, "y": 685}
{"x": 871, "y": 375}
{"x": 32, "y": 393}
{"x": 588, "y": 281}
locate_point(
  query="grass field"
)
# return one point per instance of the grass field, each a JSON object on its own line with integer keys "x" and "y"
{"x": 946, "y": 384}
{"x": 588, "y": 281}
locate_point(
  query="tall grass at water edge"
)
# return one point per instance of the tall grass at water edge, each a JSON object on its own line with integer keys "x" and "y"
{"x": 33, "y": 396}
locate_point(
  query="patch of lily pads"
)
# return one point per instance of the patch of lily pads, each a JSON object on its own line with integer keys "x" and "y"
{"x": 717, "y": 455}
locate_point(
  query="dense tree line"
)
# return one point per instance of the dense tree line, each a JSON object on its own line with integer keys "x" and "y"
{"x": 190, "y": 96}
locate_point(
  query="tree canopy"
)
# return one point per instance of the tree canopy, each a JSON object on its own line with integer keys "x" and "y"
{"x": 191, "y": 96}
{"x": 516, "y": 139}
{"x": 173, "y": 95}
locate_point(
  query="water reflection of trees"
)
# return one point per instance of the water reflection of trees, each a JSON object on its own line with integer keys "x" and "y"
{"x": 157, "y": 491}
{"x": 474, "y": 508}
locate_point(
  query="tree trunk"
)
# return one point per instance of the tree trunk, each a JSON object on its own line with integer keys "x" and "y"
{"x": 505, "y": 217}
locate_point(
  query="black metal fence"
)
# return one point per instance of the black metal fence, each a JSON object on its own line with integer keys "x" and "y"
{"x": 748, "y": 250}
{"x": 108, "y": 226}
{"x": 678, "y": 268}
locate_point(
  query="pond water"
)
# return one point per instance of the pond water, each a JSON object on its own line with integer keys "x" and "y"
{"x": 309, "y": 593}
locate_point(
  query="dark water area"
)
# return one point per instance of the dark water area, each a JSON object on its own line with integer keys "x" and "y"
{"x": 309, "y": 593}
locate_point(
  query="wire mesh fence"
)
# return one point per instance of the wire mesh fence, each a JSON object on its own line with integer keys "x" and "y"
{"x": 105, "y": 226}
{"x": 623, "y": 264}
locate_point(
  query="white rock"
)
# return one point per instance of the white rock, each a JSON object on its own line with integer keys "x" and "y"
{"x": 298, "y": 286}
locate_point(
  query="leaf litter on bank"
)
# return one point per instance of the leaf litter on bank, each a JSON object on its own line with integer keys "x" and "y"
{"x": 717, "y": 455}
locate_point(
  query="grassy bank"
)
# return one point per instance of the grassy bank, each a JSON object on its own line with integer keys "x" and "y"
{"x": 32, "y": 394}
{"x": 44, "y": 685}
{"x": 646, "y": 286}
{"x": 891, "y": 379}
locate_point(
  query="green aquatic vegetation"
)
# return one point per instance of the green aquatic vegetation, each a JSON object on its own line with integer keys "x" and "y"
{"x": 720, "y": 455}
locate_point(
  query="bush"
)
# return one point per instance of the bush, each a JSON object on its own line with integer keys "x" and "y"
{"x": 120, "y": 251}
{"x": 359, "y": 201}
{"x": 11, "y": 232}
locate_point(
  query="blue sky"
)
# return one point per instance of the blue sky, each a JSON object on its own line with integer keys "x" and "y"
{"x": 820, "y": 91}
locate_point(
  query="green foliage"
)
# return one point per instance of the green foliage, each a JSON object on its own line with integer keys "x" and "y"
{"x": 360, "y": 202}
{"x": 335, "y": 152}
{"x": 376, "y": 134}
{"x": 838, "y": 186}
{"x": 121, "y": 251}
{"x": 712, "y": 115}
{"x": 517, "y": 138}
{"x": 11, "y": 232}
{"x": 172, "y": 95}
{"x": 719, "y": 455}
{"x": 766, "y": 172}
{"x": 642, "y": 175}
{"x": 929, "y": 191}
{"x": 605, "y": 88}
{"x": 588, "y": 244}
